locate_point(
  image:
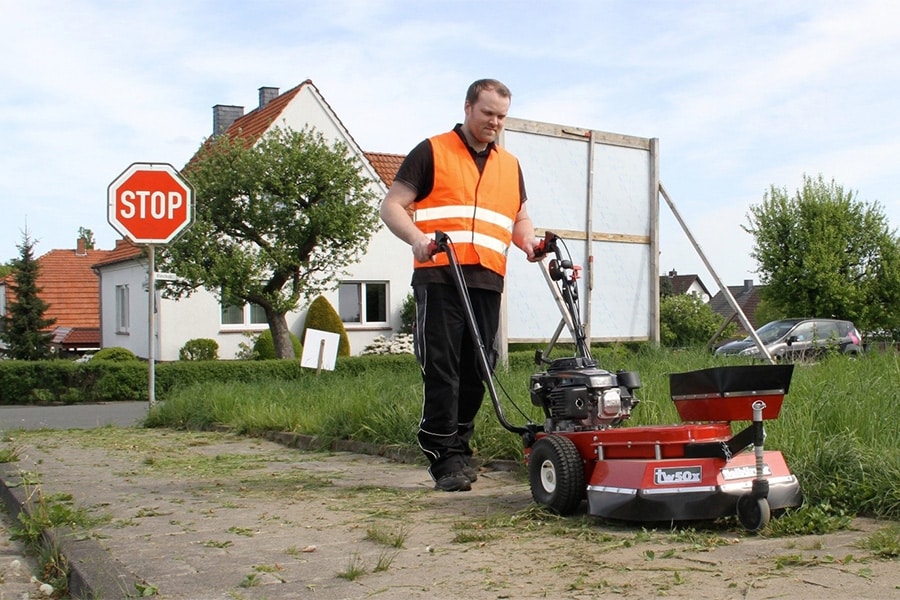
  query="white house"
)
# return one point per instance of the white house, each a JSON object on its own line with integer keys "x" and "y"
{"x": 689, "y": 285}
{"x": 597, "y": 190}
{"x": 369, "y": 300}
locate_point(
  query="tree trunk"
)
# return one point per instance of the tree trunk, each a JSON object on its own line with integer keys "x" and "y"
{"x": 281, "y": 335}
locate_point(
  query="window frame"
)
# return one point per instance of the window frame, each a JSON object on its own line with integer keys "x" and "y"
{"x": 249, "y": 311}
{"x": 123, "y": 308}
{"x": 362, "y": 287}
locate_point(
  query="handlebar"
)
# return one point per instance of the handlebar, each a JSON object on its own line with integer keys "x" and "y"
{"x": 546, "y": 245}
{"x": 440, "y": 243}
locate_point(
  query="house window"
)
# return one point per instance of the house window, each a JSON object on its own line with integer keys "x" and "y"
{"x": 123, "y": 317}
{"x": 364, "y": 303}
{"x": 235, "y": 312}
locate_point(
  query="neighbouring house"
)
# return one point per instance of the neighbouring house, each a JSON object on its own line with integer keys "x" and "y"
{"x": 369, "y": 299}
{"x": 69, "y": 286}
{"x": 684, "y": 284}
{"x": 747, "y": 297}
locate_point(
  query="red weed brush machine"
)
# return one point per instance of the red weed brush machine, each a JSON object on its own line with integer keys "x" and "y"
{"x": 696, "y": 470}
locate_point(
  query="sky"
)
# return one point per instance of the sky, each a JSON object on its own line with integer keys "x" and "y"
{"x": 742, "y": 96}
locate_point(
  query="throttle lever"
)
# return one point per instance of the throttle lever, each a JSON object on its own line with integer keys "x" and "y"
{"x": 546, "y": 245}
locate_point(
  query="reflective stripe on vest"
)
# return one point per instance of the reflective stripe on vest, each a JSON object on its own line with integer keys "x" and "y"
{"x": 476, "y": 211}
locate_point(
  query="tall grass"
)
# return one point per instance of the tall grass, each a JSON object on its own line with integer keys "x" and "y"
{"x": 839, "y": 427}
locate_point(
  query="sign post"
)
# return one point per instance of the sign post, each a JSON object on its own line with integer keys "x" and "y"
{"x": 151, "y": 204}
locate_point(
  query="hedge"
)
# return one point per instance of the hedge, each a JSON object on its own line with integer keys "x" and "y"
{"x": 67, "y": 382}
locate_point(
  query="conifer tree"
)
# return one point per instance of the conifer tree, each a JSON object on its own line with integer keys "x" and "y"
{"x": 25, "y": 329}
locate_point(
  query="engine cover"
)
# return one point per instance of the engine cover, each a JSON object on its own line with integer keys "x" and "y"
{"x": 576, "y": 395}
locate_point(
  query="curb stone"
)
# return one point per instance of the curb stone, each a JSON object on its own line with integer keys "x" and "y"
{"x": 92, "y": 572}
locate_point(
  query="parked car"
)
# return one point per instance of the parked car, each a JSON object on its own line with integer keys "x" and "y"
{"x": 792, "y": 339}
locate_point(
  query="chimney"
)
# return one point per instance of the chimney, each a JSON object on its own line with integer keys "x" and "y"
{"x": 266, "y": 95}
{"x": 224, "y": 115}
{"x": 748, "y": 284}
{"x": 81, "y": 248}
{"x": 673, "y": 273}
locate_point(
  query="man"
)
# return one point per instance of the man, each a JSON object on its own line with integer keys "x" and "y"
{"x": 463, "y": 184}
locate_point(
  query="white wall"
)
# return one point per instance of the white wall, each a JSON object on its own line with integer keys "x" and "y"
{"x": 133, "y": 274}
{"x": 199, "y": 315}
{"x": 386, "y": 258}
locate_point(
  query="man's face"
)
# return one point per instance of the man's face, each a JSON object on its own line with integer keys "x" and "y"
{"x": 485, "y": 118}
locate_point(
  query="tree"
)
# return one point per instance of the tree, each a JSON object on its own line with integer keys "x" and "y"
{"x": 322, "y": 316}
{"x": 823, "y": 253}
{"x": 685, "y": 320}
{"x": 24, "y": 326}
{"x": 276, "y": 222}
{"x": 6, "y": 268}
{"x": 88, "y": 236}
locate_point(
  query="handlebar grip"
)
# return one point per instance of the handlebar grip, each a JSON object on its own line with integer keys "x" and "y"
{"x": 548, "y": 244}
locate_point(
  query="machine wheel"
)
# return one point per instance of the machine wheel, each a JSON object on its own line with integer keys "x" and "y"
{"x": 753, "y": 513}
{"x": 556, "y": 473}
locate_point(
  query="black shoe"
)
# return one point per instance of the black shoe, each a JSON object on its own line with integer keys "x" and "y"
{"x": 453, "y": 482}
{"x": 471, "y": 473}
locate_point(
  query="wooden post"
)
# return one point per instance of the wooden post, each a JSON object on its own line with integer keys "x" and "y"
{"x": 321, "y": 361}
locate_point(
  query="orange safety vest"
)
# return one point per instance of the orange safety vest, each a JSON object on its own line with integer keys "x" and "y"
{"x": 476, "y": 210}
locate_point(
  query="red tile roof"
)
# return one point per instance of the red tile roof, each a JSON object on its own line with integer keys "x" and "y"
{"x": 124, "y": 250}
{"x": 385, "y": 165}
{"x": 255, "y": 123}
{"x": 76, "y": 338}
{"x": 71, "y": 288}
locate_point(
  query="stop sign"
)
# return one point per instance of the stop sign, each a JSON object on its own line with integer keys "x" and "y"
{"x": 150, "y": 203}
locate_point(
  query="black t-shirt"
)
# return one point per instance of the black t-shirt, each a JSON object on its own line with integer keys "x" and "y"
{"x": 417, "y": 171}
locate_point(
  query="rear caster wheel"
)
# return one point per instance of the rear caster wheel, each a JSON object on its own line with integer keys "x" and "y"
{"x": 753, "y": 513}
{"x": 556, "y": 474}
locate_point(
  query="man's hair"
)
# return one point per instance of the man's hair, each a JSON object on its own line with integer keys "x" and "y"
{"x": 486, "y": 85}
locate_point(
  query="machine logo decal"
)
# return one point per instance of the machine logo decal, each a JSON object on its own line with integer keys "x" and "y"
{"x": 748, "y": 472}
{"x": 677, "y": 475}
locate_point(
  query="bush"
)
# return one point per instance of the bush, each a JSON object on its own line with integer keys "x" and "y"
{"x": 114, "y": 354}
{"x": 30, "y": 381}
{"x": 108, "y": 381}
{"x": 408, "y": 314}
{"x": 65, "y": 381}
{"x": 264, "y": 346}
{"x": 322, "y": 316}
{"x": 199, "y": 349}
{"x": 684, "y": 320}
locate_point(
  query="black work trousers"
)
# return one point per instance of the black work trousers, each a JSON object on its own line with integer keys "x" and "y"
{"x": 451, "y": 370}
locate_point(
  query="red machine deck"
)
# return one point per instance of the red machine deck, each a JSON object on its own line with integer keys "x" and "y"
{"x": 658, "y": 441}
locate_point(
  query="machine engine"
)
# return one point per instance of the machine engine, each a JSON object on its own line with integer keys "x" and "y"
{"x": 576, "y": 395}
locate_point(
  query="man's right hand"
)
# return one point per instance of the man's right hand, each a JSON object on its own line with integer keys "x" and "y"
{"x": 422, "y": 249}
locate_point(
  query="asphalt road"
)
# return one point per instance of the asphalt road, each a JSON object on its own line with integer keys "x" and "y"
{"x": 73, "y": 416}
